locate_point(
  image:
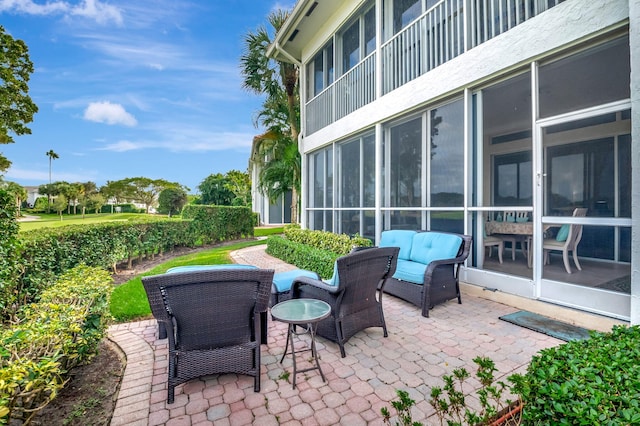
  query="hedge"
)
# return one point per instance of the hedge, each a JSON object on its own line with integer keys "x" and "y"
{"x": 59, "y": 332}
{"x": 43, "y": 254}
{"x": 220, "y": 223}
{"x": 313, "y": 250}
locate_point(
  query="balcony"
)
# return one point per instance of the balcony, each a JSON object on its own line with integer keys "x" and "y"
{"x": 448, "y": 29}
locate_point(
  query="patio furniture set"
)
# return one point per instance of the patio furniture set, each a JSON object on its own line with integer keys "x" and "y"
{"x": 215, "y": 316}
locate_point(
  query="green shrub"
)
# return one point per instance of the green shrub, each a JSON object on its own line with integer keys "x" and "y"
{"x": 301, "y": 255}
{"x": 324, "y": 240}
{"x": 9, "y": 266}
{"x": 220, "y": 223}
{"x": 592, "y": 381}
{"x": 54, "y": 335}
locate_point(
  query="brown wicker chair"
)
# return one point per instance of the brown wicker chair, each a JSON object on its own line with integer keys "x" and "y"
{"x": 212, "y": 320}
{"x": 356, "y": 298}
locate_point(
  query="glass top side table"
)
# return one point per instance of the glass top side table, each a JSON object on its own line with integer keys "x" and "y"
{"x": 301, "y": 312}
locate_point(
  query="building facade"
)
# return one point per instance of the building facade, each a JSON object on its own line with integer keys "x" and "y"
{"x": 459, "y": 115}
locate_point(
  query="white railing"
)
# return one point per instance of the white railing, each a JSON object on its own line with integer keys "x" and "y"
{"x": 356, "y": 88}
{"x": 489, "y": 18}
{"x": 351, "y": 91}
{"x": 434, "y": 38}
{"x": 319, "y": 111}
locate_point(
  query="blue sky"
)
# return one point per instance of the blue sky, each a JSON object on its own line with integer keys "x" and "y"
{"x": 129, "y": 88}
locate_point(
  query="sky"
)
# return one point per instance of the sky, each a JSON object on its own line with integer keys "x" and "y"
{"x": 130, "y": 88}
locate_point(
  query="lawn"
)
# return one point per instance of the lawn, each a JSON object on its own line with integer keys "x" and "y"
{"x": 53, "y": 220}
{"x": 129, "y": 300}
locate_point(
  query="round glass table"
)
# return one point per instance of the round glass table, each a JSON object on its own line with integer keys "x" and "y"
{"x": 301, "y": 312}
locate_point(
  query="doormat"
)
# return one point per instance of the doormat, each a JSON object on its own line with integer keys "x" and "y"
{"x": 558, "y": 329}
{"x": 621, "y": 284}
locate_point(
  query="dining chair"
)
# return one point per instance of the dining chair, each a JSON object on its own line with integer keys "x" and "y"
{"x": 566, "y": 240}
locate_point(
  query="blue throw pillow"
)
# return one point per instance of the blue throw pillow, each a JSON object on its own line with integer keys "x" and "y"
{"x": 563, "y": 233}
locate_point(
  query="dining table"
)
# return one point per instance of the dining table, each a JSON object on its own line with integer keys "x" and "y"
{"x": 514, "y": 228}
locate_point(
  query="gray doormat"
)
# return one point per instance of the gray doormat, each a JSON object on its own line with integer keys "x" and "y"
{"x": 558, "y": 329}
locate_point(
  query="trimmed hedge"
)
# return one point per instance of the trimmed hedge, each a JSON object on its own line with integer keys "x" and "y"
{"x": 313, "y": 250}
{"x": 9, "y": 243}
{"x": 59, "y": 332}
{"x": 220, "y": 223}
{"x": 324, "y": 240}
{"x": 303, "y": 256}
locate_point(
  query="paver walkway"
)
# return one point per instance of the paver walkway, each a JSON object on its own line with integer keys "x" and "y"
{"x": 414, "y": 357}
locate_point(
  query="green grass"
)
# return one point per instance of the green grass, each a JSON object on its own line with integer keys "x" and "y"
{"x": 53, "y": 220}
{"x": 129, "y": 300}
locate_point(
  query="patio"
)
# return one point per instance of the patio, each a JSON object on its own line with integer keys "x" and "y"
{"x": 414, "y": 357}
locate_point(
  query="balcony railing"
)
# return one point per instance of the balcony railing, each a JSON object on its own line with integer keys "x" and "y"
{"x": 353, "y": 90}
{"x": 436, "y": 37}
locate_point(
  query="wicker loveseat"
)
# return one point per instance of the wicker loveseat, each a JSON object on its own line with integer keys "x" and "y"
{"x": 428, "y": 266}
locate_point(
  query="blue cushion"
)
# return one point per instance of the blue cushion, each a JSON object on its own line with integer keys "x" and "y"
{"x": 563, "y": 233}
{"x": 191, "y": 268}
{"x": 335, "y": 279}
{"x": 398, "y": 238}
{"x": 410, "y": 271}
{"x": 430, "y": 246}
{"x": 282, "y": 280}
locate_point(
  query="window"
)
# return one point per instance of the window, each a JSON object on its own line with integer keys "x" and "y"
{"x": 512, "y": 179}
{"x": 592, "y": 77}
{"x": 320, "y": 71}
{"x": 358, "y": 40}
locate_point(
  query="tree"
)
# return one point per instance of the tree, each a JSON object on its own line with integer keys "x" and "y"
{"x": 52, "y": 156}
{"x": 16, "y": 107}
{"x": 171, "y": 200}
{"x": 146, "y": 190}
{"x": 94, "y": 202}
{"x": 214, "y": 190}
{"x": 240, "y": 184}
{"x": 17, "y": 191}
{"x": 278, "y": 80}
{"x": 60, "y": 203}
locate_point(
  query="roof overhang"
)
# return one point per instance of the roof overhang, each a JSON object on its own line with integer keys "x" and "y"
{"x": 298, "y": 30}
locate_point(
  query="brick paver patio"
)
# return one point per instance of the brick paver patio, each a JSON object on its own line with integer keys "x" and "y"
{"x": 414, "y": 357}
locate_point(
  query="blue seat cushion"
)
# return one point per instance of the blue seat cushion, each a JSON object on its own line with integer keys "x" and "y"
{"x": 563, "y": 233}
{"x": 335, "y": 279}
{"x": 398, "y": 238}
{"x": 282, "y": 280}
{"x": 192, "y": 268}
{"x": 413, "y": 272}
{"x": 430, "y": 246}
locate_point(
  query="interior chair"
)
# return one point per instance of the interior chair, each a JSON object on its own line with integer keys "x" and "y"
{"x": 566, "y": 240}
{"x": 491, "y": 241}
{"x": 354, "y": 293}
{"x": 513, "y": 239}
{"x": 212, "y": 318}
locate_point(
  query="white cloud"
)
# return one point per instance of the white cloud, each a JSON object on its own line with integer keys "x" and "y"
{"x": 92, "y": 9}
{"x": 186, "y": 140}
{"x": 106, "y": 112}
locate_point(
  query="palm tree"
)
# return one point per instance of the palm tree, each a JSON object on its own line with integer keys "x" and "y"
{"x": 52, "y": 156}
{"x": 280, "y": 114}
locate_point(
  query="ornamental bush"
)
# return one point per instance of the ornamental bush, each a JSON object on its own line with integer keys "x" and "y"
{"x": 588, "y": 382}
{"x": 324, "y": 240}
{"x": 313, "y": 250}
{"x": 52, "y": 336}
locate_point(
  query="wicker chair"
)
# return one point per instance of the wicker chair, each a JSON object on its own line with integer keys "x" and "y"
{"x": 212, "y": 320}
{"x": 356, "y": 294}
